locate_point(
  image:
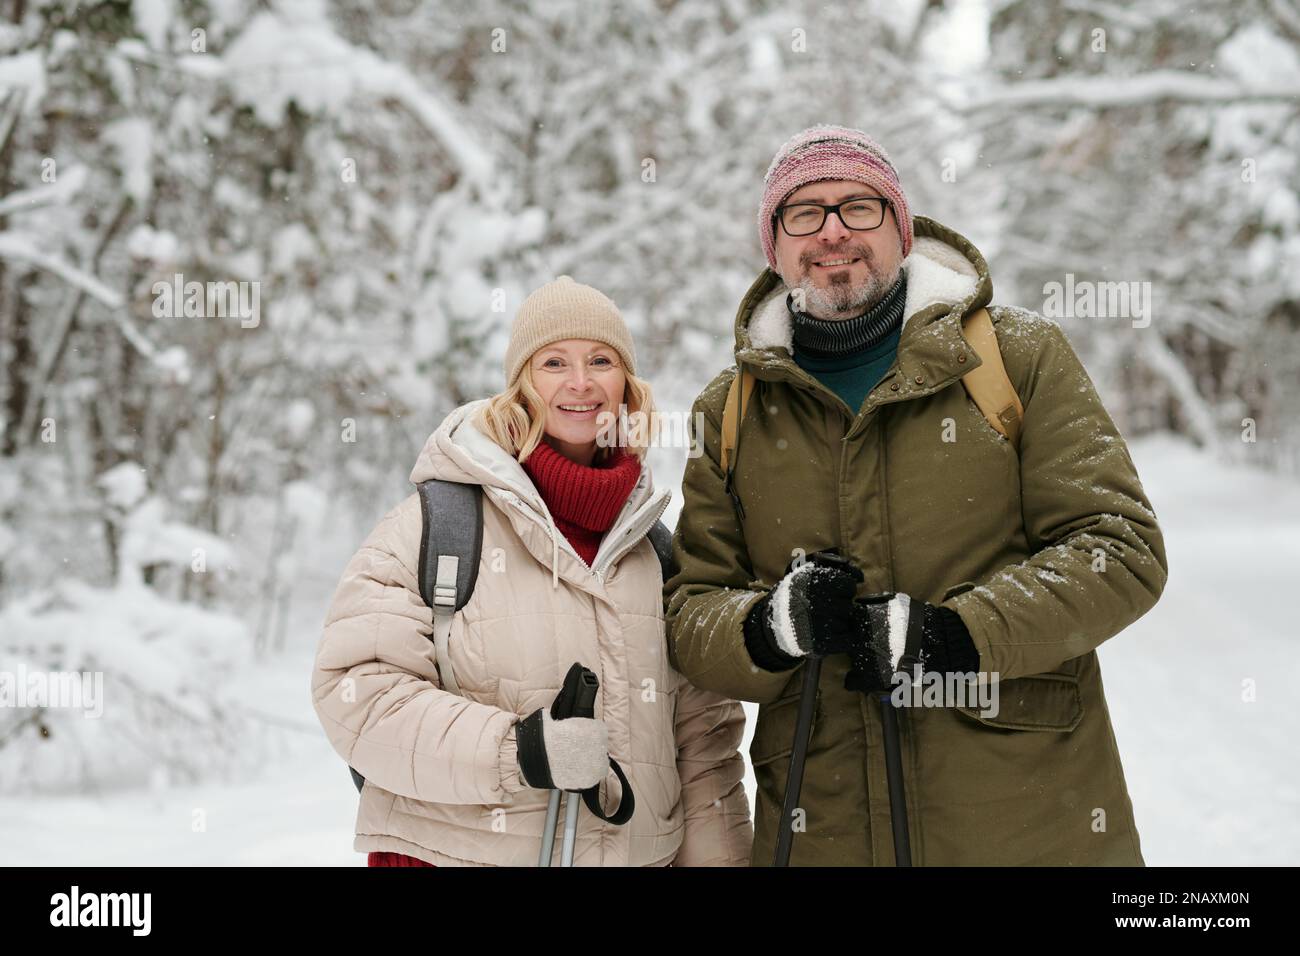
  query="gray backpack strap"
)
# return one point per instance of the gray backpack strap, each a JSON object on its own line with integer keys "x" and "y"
{"x": 662, "y": 539}
{"x": 450, "y": 545}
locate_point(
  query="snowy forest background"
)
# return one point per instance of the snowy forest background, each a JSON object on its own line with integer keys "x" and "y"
{"x": 179, "y": 495}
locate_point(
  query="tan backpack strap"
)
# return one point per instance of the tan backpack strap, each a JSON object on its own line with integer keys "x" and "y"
{"x": 989, "y": 386}
{"x": 733, "y": 412}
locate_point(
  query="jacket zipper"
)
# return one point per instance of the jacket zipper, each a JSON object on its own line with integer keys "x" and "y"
{"x": 600, "y": 575}
{"x": 645, "y": 526}
{"x": 841, "y": 481}
{"x": 533, "y": 516}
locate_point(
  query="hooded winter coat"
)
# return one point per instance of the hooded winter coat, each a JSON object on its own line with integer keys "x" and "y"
{"x": 442, "y": 777}
{"x": 1045, "y": 552}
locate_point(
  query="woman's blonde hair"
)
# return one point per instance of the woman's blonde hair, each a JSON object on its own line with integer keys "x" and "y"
{"x": 516, "y": 419}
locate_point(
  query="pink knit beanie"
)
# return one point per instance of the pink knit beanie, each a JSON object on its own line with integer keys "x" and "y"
{"x": 830, "y": 152}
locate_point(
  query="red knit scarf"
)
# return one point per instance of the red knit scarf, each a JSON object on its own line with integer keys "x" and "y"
{"x": 584, "y": 500}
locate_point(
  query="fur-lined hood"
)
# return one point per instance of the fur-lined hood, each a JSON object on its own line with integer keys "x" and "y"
{"x": 945, "y": 274}
{"x": 458, "y": 451}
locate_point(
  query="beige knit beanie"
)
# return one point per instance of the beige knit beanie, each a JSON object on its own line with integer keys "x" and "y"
{"x": 565, "y": 309}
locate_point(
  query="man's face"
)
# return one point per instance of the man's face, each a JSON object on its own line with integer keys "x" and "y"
{"x": 834, "y": 289}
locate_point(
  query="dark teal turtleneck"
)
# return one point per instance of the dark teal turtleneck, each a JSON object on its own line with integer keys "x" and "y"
{"x": 849, "y": 356}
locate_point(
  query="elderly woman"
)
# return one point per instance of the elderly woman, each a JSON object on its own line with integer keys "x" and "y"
{"x": 566, "y": 575}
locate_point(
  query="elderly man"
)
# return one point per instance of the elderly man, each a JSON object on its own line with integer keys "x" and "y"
{"x": 871, "y": 516}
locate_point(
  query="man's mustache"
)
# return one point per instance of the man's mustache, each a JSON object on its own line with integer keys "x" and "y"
{"x": 858, "y": 252}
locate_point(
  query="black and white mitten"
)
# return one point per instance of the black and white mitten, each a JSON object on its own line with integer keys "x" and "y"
{"x": 900, "y": 633}
{"x": 810, "y": 611}
{"x": 568, "y": 754}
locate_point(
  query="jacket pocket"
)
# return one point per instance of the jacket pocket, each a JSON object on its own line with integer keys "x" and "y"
{"x": 774, "y": 735}
{"x": 659, "y": 744}
{"x": 957, "y": 589}
{"x": 1039, "y": 702}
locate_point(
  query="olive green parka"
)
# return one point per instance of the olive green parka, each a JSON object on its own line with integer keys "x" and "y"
{"x": 1045, "y": 552}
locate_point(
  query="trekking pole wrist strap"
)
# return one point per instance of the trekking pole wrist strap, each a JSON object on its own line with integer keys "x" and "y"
{"x": 626, "y": 803}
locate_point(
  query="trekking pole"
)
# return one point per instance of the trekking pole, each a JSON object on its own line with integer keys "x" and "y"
{"x": 894, "y": 774}
{"x": 548, "y": 830}
{"x": 577, "y": 698}
{"x": 812, "y": 670}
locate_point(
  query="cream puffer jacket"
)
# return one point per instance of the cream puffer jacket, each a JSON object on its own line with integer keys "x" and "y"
{"x": 442, "y": 779}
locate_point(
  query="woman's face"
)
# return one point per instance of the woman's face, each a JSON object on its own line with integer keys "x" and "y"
{"x": 581, "y": 384}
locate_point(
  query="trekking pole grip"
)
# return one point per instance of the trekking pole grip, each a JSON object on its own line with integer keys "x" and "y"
{"x": 577, "y": 696}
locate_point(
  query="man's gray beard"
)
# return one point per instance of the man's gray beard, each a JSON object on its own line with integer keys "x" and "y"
{"x": 843, "y": 300}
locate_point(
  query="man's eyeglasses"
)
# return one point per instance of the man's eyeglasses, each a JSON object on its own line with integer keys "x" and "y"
{"x": 805, "y": 218}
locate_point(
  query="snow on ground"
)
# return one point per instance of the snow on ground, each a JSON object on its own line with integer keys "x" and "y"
{"x": 1210, "y": 774}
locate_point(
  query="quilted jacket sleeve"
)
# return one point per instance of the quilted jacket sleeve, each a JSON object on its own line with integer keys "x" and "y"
{"x": 376, "y": 689}
{"x": 709, "y": 728}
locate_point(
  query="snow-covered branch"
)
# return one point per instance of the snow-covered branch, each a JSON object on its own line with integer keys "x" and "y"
{"x": 275, "y": 61}
{"x": 1199, "y": 417}
{"x": 22, "y": 248}
{"x": 58, "y": 192}
{"x": 1144, "y": 88}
